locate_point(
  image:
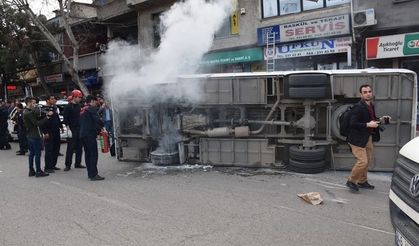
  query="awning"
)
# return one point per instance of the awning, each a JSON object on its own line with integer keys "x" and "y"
{"x": 234, "y": 56}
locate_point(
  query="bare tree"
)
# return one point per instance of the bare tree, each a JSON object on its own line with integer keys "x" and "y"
{"x": 65, "y": 11}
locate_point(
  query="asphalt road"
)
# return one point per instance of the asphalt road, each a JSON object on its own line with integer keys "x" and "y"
{"x": 145, "y": 205}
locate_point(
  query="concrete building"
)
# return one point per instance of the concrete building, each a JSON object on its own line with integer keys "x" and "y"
{"x": 308, "y": 35}
{"x": 303, "y": 35}
{"x": 393, "y": 40}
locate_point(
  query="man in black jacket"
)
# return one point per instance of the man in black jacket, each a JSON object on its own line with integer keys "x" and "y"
{"x": 21, "y": 130}
{"x": 364, "y": 130}
{"x": 90, "y": 126}
{"x": 4, "y": 115}
{"x": 51, "y": 130}
{"x": 72, "y": 120}
{"x": 33, "y": 120}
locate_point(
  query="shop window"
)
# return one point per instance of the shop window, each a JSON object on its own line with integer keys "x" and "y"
{"x": 327, "y": 66}
{"x": 272, "y": 8}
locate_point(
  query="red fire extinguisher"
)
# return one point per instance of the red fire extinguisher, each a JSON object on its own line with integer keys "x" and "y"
{"x": 104, "y": 143}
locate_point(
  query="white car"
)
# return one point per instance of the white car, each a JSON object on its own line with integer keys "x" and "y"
{"x": 404, "y": 195}
{"x": 12, "y": 127}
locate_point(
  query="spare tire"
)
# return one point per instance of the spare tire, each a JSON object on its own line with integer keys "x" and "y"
{"x": 298, "y": 153}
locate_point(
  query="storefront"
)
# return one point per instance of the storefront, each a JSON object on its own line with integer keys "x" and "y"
{"x": 232, "y": 61}
{"x": 54, "y": 82}
{"x": 323, "y": 43}
{"x": 393, "y": 51}
{"x": 21, "y": 87}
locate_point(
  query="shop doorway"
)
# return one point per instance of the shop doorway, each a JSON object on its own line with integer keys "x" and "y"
{"x": 411, "y": 65}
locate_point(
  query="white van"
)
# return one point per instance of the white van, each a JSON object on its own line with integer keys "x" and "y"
{"x": 404, "y": 195}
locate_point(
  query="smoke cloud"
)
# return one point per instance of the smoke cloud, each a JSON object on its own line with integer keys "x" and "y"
{"x": 188, "y": 32}
{"x": 189, "y": 29}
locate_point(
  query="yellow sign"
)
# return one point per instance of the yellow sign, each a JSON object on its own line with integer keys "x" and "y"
{"x": 234, "y": 22}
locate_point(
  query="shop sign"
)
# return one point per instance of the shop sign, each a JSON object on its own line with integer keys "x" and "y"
{"x": 311, "y": 48}
{"x": 316, "y": 28}
{"x": 11, "y": 87}
{"x": 229, "y": 57}
{"x": 263, "y": 32}
{"x": 392, "y": 46}
{"x": 54, "y": 78}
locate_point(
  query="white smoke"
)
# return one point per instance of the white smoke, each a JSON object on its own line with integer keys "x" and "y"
{"x": 189, "y": 29}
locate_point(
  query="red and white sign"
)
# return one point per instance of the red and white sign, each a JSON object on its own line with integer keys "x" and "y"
{"x": 317, "y": 28}
{"x": 54, "y": 78}
{"x": 392, "y": 46}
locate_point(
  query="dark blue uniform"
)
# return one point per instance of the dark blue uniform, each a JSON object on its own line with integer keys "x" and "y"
{"x": 4, "y": 115}
{"x": 90, "y": 126}
{"x": 52, "y": 144}
{"x": 72, "y": 120}
{"x": 21, "y": 134}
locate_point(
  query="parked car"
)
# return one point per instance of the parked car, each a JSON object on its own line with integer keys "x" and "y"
{"x": 12, "y": 127}
{"x": 404, "y": 195}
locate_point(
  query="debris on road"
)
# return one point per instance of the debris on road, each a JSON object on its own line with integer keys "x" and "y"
{"x": 313, "y": 198}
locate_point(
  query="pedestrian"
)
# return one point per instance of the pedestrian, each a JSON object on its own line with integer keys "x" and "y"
{"x": 4, "y": 133}
{"x": 10, "y": 106}
{"x": 105, "y": 113}
{"x": 33, "y": 120}
{"x": 21, "y": 130}
{"x": 364, "y": 130}
{"x": 90, "y": 127}
{"x": 51, "y": 130}
{"x": 72, "y": 120}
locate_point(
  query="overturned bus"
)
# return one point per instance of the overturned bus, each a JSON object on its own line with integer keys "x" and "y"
{"x": 264, "y": 119}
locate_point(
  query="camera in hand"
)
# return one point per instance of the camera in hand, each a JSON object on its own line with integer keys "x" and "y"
{"x": 42, "y": 112}
{"x": 381, "y": 127}
{"x": 386, "y": 122}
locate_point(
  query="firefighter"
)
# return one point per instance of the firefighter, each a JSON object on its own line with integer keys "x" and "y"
{"x": 72, "y": 120}
{"x": 90, "y": 127}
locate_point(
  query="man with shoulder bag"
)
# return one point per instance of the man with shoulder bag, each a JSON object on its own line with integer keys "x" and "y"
{"x": 364, "y": 130}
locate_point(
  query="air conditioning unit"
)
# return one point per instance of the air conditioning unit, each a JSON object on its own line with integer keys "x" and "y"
{"x": 364, "y": 18}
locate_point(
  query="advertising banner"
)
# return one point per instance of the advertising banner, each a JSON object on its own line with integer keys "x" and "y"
{"x": 234, "y": 56}
{"x": 310, "y": 48}
{"x": 392, "y": 46}
{"x": 316, "y": 28}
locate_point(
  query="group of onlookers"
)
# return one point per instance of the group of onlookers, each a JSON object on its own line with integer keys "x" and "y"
{"x": 40, "y": 128}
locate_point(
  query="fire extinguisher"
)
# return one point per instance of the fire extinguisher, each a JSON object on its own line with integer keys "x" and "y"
{"x": 104, "y": 143}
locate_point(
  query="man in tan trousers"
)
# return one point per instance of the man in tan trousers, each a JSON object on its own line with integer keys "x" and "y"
{"x": 364, "y": 130}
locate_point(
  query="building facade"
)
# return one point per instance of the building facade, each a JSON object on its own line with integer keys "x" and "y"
{"x": 260, "y": 35}
{"x": 393, "y": 41}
